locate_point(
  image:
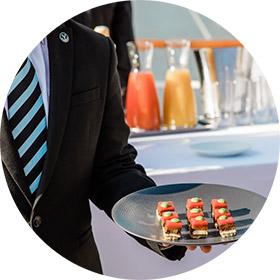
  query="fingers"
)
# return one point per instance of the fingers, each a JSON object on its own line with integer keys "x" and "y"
{"x": 191, "y": 247}
{"x": 206, "y": 249}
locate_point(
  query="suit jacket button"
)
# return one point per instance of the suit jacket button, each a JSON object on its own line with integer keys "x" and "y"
{"x": 64, "y": 37}
{"x": 37, "y": 221}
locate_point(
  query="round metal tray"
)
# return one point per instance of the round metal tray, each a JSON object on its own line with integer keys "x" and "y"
{"x": 135, "y": 213}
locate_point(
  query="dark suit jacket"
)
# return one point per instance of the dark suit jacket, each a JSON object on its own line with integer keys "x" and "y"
{"x": 88, "y": 155}
{"x": 118, "y": 17}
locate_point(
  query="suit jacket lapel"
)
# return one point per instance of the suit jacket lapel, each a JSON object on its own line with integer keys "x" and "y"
{"x": 11, "y": 159}
{"x": 61, "y": 64}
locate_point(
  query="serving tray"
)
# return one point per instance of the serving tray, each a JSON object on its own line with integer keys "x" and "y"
{"x": 136, "y": 212}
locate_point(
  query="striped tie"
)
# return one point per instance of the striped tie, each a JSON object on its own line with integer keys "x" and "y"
{"x": 27, "y": 120}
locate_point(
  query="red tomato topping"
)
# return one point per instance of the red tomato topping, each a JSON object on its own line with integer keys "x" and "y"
{"x": 192, "y": 214}
{"x": 196, "y": 222}
{"x": 228, "y": 220}
{"x": 221, "y": 212}
{"x": 169, "y": 217}
{"x": 173, "y": 225}
{"x": 218, "y": 203}
{"x": 193, "y": 203}
{"x": 165, "y": 206}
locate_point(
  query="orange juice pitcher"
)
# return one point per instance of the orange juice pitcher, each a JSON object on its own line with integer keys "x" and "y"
{"x": 142, "y": 107}
{"x": 179, "y": 98}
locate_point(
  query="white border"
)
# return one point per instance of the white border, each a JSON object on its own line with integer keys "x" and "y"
{"x": 24, "y": 23}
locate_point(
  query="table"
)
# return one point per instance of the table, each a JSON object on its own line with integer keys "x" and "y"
{"x": 169, "y": 159}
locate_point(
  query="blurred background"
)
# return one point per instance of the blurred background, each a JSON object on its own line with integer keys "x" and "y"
{"x": 156, "y": 20}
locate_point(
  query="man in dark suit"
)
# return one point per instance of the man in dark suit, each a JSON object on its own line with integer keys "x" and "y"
{"x": 118, "y": 18}
{"x": 84, "y": 155}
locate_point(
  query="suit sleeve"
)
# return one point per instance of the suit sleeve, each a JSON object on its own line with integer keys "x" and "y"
{"x": 115, "y": 172}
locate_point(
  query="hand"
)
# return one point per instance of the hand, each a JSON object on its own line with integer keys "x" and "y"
{"x": 204, "y": 249}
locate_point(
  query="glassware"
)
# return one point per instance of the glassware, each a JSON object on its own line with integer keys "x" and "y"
{"x": 209, "y": 90}
{"x": 142, "y": 107}
{"x": 179, "y": 98}
{"x": 262, "y": 102}
{"x": 226, "y": 90}
{"x": 244, "y": 63}
{"x": 242, "y": 101}
{"x": 271, "y": 105}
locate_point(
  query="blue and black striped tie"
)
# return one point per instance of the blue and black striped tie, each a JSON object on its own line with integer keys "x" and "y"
{"x": 27, "y": 120}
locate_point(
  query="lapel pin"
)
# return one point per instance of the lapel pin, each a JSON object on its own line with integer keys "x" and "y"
{"x": 64, "y": 37}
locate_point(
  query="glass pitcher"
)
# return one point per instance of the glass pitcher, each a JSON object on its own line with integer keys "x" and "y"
{"x": 179, "y": 98}
{"x": 142, "y": 106}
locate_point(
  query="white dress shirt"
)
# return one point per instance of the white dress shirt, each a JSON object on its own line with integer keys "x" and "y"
{"x": 39, "y": 57}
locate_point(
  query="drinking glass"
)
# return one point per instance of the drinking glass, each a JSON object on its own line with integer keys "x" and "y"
{"x": 262, "y": 102}
{"x": 142, "y": 107}
{"x": 242, "y": 101}
{"x": 179, "y": 107}
{"x": 226, "y": 89}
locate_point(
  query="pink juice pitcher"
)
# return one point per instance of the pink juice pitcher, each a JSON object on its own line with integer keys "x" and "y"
{"x": 142, "y": 107}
